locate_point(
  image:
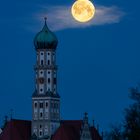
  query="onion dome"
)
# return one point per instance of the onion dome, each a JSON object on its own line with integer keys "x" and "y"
{"x": 45, "y": 39}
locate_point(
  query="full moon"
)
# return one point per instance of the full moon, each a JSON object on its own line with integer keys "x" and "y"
{"x": 83, "y": 10}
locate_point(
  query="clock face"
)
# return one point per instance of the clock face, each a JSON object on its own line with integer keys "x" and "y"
{"x": 41, "y": 80}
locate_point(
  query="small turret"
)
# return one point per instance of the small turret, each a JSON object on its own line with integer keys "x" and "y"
{"x": 85, "y": 132}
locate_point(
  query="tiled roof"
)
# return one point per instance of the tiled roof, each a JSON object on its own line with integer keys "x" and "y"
{"x": 95, "y": 134}
{"x": 71, "y": 129}
{"x": 68, "y": 130}
{"x": 16, "y": 130}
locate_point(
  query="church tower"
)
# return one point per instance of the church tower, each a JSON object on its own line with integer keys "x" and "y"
{"x": 45, "y": 99}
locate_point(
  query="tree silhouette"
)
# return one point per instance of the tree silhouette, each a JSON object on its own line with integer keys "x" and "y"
{"x": 115, "y": 133}
{"x": 131, "y": 124}
{"x": 132, "y": 117}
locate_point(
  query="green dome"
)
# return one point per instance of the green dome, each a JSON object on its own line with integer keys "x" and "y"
{"x": 45, "y": 39}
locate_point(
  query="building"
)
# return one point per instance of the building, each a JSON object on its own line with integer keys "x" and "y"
{"x": 46, "y": 123}
{"x": 45, "y": 100}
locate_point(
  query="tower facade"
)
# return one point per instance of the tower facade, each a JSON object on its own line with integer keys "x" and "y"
{"x": 45, "y": 99}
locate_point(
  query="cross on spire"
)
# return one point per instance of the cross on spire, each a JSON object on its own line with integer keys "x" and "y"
{"x": 86, "y": 117}
{"x": 45, "y": 18}
{"x": 86, "y": 114}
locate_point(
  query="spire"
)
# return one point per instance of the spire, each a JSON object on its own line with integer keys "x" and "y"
{"x": 85, "y": 131}
{"x": 93, "y": 122}
{"x": 45, "y": 18}
{"x": 45, "y": 27}
{"x": 45, "y": 39}
{"x": 85, "y": 117}
{"x": 86, "y": 114}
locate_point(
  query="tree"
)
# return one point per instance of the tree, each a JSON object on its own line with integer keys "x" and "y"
{"x": 131, "y": 124}
{"x": 115, "y": 133}
{"x": 132, "y": 117}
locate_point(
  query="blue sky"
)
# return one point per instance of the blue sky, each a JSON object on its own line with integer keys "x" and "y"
{"x": 98, "y": 61}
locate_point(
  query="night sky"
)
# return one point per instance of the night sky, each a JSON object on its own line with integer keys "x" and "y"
{"x": 97, "y": 61}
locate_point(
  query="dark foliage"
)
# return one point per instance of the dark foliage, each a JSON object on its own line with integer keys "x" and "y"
{"x": 131, "y": 125}
{"x": 115, "y": 134}
{"x": 132, "y": 117}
